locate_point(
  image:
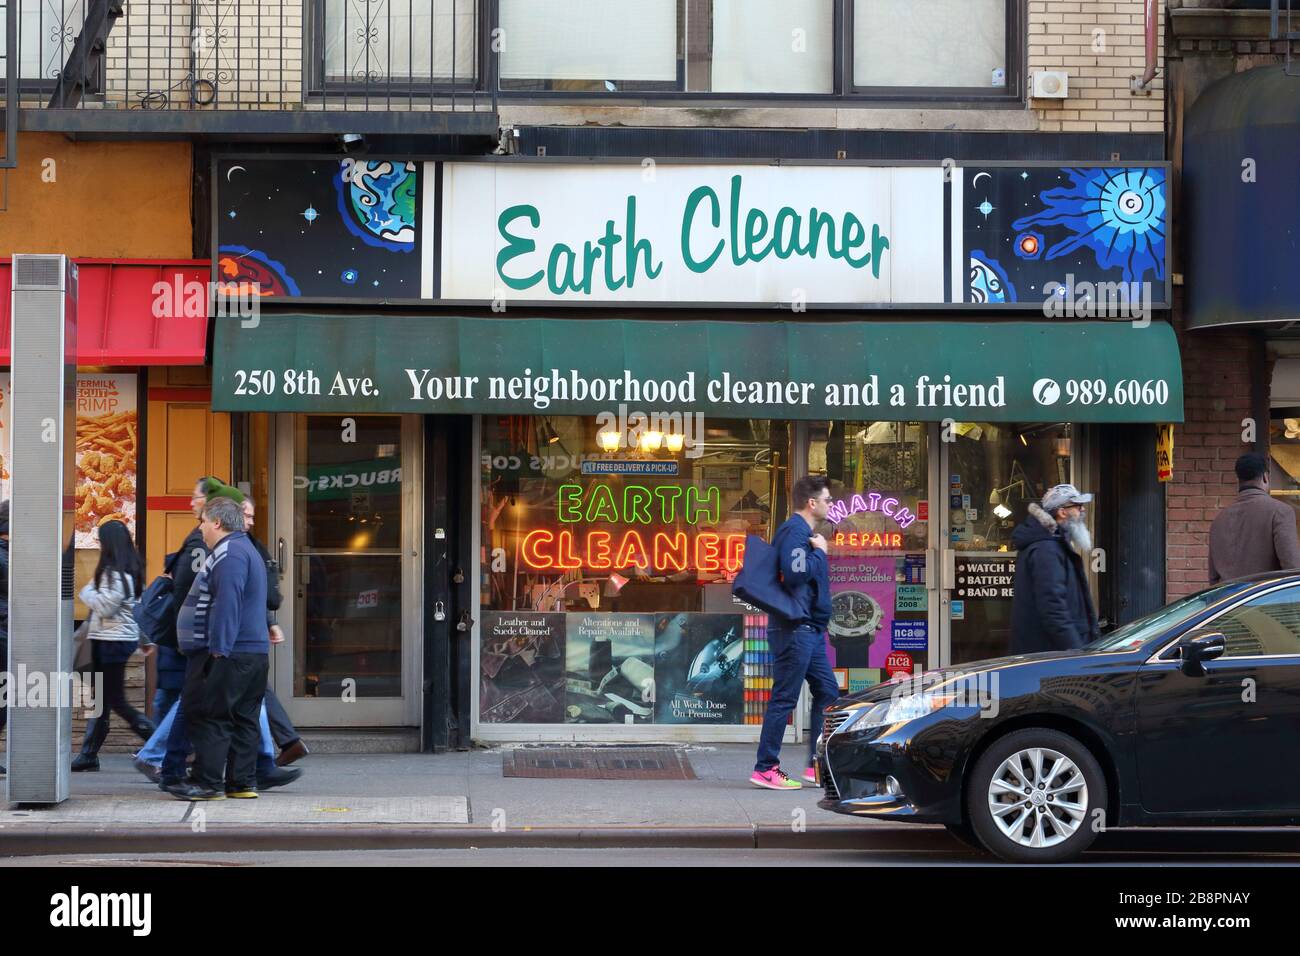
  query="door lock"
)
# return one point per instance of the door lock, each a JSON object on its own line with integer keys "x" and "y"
{"x": 439, "y": 611}
{"x": 458, "y": 577}
{"x": 465, "y": 623}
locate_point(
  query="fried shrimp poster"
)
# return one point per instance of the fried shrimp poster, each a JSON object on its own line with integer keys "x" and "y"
{"x": 108, "y": 433}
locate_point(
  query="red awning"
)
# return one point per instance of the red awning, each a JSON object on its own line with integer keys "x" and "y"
{"x": 116, "y": 324}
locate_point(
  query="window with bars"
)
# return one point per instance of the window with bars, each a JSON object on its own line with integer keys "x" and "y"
{"x": 395, "y": 42}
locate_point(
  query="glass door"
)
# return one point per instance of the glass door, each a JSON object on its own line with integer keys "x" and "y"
{"x": 347, "y": 504}
{"x": 989, "y": 475}
{"x": 879, "y": 534}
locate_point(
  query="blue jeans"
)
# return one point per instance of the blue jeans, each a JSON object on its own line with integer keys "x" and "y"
{"x": 155, "y": 751}
{"x": 797, "y": 655}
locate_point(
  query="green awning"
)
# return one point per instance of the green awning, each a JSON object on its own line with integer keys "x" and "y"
{"x": 894, "y": 370}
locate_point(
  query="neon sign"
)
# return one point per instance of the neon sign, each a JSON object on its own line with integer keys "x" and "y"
{"x": 667, "y": 551}
{"x": 873, "y": 501}
{"x": 640, "y": 504}
{"x": 869, "y": 539}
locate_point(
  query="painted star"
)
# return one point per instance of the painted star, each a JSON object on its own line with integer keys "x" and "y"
{"x": 1024, "y": 175}
{"x": 985, "y": 207}
{"x": 232, "y": 214}
{"x": 310, "y": 214}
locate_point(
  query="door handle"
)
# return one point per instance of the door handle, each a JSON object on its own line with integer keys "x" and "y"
{"x": 279, "y": 551}
{"x": 948, "y": 557}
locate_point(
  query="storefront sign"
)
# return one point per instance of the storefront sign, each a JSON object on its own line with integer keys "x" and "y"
{"x": 784, "y": 370}
{"x": 911, "y": 598}
{"x": 658, "y": 468}
{"x": 1023, "y": 235}
{"x": 984, "y": 578}
{"x": 1165, "y": 452}
{"x": 910, "y": 636}
{"x": 888, "y": 541}
{"x": 871, "y": 501}
{"x": 898, "y": 662}
{"x": 662, "y": 552}
{"x": 327, "y": 482}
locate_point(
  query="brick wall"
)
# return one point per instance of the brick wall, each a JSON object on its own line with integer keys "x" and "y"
{"x": 1101, "y": 44}
{"x": 1217, "y": 379}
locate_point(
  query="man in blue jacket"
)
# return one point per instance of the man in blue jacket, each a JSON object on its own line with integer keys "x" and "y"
{"x": 799, "y": 646}
{"x": 226, "y": 668}
{"x": 1052, "y": 609}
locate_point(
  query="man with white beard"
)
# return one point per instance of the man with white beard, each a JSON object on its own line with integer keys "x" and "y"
{"x": 1052, "y": 609}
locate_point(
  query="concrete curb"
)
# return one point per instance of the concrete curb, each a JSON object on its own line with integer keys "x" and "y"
{"x": 57, "y": 839}
{"x": 47, "y": 839}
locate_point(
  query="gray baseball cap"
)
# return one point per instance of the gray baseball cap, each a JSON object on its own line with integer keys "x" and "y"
{"x": 1063, "y": 495}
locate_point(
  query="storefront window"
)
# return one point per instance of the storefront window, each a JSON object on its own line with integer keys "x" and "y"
{"x": 608, "y": 550}
{"x": 1284, "y": 449}
{"x": 995, "y": 472}
{"x": 930, "y": 43}
{"x": 877, "y": 537}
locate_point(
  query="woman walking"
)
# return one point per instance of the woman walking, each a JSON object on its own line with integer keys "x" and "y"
{"x": 113, "y": 635}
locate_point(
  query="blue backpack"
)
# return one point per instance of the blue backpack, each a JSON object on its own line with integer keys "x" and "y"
{"x": 759, "y": 582}
{"x": 155, "y": 612}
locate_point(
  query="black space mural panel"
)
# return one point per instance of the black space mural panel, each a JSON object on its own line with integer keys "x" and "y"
{"x": 333, "y": 228}
{"x": 1026, "y": 228}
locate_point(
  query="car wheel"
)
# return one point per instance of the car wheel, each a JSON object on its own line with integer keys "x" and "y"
{"x": 963, "y": 834}
{"x": 1033, "y": 797}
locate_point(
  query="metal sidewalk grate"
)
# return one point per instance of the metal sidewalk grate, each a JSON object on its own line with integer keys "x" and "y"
{"x": 598, "y": 763}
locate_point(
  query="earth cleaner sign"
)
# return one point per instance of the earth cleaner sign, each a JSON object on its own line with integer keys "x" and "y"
{"x": 1083, "y": 242}
{"x": 927, "y": 371}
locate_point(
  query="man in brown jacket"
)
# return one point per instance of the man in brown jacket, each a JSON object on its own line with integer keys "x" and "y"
{"x": 1255, "y": 533}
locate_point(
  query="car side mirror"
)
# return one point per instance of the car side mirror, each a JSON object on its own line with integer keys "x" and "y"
{"x": 1198, "y": 647}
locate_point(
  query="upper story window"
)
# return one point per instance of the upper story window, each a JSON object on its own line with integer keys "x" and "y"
{"x": 47, "y": 30}
{"x": 880, "y": 48}
{"x": 954, "y": 44}
{"x": 395, "y": 41}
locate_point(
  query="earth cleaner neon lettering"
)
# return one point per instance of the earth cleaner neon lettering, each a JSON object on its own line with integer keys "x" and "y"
{"x": 640, "y": 504}
{"x": 664, "y": 552}
{"x": 618, "y": 256}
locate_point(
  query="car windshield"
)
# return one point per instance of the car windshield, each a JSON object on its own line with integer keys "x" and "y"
{"x": 1134, "y": 634}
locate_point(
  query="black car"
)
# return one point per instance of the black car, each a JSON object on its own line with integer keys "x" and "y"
{"x": 1190, "y": 716}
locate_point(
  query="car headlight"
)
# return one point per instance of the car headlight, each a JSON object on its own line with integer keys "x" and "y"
{"x": 900, "y": 710}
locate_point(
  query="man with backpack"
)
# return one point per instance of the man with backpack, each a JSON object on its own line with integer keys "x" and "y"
{"x": 182, "y": 568}
{"x": 799, "y": 643}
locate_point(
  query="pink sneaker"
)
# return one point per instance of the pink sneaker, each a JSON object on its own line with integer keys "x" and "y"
{"x": 774, "y": 779}
{"x": 810, "y": 776}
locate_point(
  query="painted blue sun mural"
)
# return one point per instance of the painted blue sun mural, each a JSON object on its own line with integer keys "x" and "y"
{"x": 377, "y": 201}
{"x": 1119, "y": 214}
{"x": 1029, "y": 229}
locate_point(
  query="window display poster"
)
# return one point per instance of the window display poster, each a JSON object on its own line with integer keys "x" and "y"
{"x": 862, "y": 609}
{"x": 860, "y": 678}
{"x": 521, "y": 668}
{"x": 108, "y": 430}
{"x": 698, "y": 669}
{"x": 609, "y": 668}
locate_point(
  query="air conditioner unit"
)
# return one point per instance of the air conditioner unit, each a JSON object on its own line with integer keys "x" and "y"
{"x": 1051, "y": 85}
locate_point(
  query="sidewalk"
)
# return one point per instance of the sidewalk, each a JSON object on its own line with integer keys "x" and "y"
{"x": 450, "y": 799}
